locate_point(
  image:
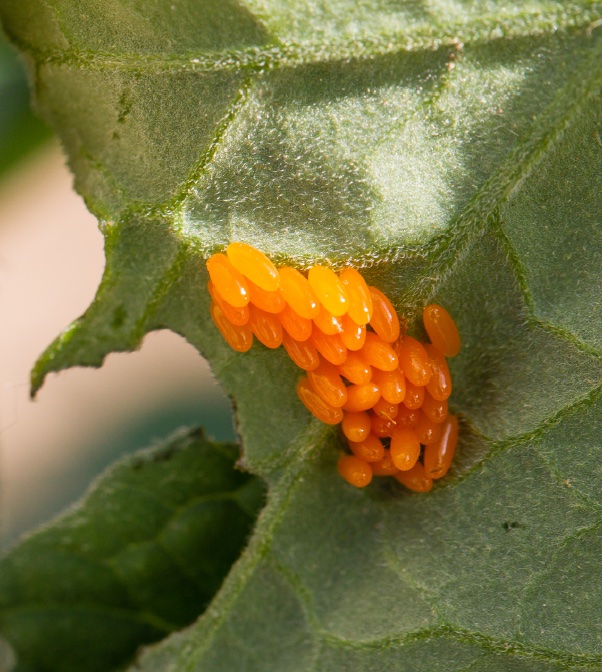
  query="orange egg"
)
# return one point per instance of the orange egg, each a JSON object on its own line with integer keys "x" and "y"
{"x": 434, "y": 409}
{"x": 440, "y": 384}
{"x": 369, "y": 450}
{"x": 229, "y": 282}
{"x": 384, "y": 467}
{"x": 328, "y": 323}
{"x": 392, "y": 384}
{"x": 355, "y": 471}
{"x": 271, "y": 302}
{"x": 353, "y": 335}
{"x": 356, "y": 426}
{"x": 358, "y": 293}
{"x": 378, "y": 353}
{"x": 239, "y": 338}
{"x": 382, "y": 426}
{"x": 329, "y": 289}
{"x": 415, "y": 479}
{"x": 266, "y": 327}
{"x": 405, "y": 448}
{"x": 442, "y": 330}
{"x": 414, "y": 396}
{"x": 297, "y": 292}
{"x": 316, "y": 405}
{"x": 355, "y": 369}
{"x": 361, "y": 397}
{"x": 414, "y": 361}
{"x": 385, "y": 409}
{"x": 297, "y": 327}
{"x": 302, "y": 353}
{"x": 238, "y": 316}
{"x": 384, "y": 319}
{"x": 438, "y": 455}
{"x": 254, "y": 265}
{"x": 328, "y": 384}
{"x": 379, "y": 385}
{"x": 427, "y": 431}
{"x": 331, "y": 347}
{"x": 407, "y": 417}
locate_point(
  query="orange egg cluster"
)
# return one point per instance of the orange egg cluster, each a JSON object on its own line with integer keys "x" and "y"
{"x": 388, "y": 390}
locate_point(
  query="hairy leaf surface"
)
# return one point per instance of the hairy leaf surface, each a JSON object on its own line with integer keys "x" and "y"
{"x": 450, "y": 149}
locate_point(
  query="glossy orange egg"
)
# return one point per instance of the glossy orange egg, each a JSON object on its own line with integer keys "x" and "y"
{"x": 438, "y": 455}
{"x": 254, "y": 265}
{"x": 316, "y": 405}
{"x": 415, "y": 479}
{"x": 414, "y": 396}
{"x": 405, "y": 448}
{"x": 329, "y": 289}
{"x": 427, "y": 431}
{"x": 407, "y": 417}
{"x": 434, "y": 409}
{"x": 271, "y": 302}
{"x": 302, "y": 353}
{"x": 331, "y": 347}
{"x": 237, "y": 316}
{"x": 328, "y": 384}
{"x": 296, "y": 326}
{"x": 240, "y": 338}
{"x": 385, "y": 409}
{"x": 327, "y": 322}
{"x": 414, "y": 361}
{"x": 440, "y": 384}
{"x": 392, "y": 384}
{"x": 384, "y": 319}
{"x": 228, "y": 281}
{"x": 356, "y": 426}
{"x": 382, "y": 426}
{"x": 355, "y": 471}
{"x": 370, "y": 449}
{"x": 384, "y": 467}
{"x": 297, "y": 292}
{"x": 442, "y": 330}
{"x": 266, "y": 327}
{"x": 361, "y": 397}
{"x": 378, "y": 353}
{"x": 355, "y": 369}
{"x": 358, "y": 294}
{"x": 353, "y": 335}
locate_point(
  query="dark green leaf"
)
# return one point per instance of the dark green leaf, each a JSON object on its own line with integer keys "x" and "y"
{"x": 141, "y": 556}
{"x": 452, "y": 150}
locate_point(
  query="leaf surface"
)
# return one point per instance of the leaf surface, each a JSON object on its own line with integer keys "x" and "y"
{"x": 139, "y": 557}
{"x": 452, "y": 151}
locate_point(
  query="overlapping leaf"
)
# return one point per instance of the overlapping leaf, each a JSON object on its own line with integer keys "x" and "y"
{"x": 139, "y": 558}
{"x": 452, "y": 150}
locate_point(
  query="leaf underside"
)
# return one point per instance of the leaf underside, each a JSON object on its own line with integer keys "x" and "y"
{"x": 450, "y": 149}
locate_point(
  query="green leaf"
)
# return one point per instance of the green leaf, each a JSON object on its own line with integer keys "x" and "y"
{"x": 450, "y": 149}
{"x": 139, "y": 557}
{"x": 20, "y": 130}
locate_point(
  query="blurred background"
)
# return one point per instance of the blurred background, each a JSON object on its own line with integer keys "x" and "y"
{"x": 51, "y": 262}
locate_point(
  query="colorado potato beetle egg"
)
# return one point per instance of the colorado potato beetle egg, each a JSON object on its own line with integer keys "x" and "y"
{"x": 360, "y": 301}
{"x": 254, "y": 265}
{"x": 329, "y": 289}
{"x": 390, "y": 394}
{"x": 355, "y": 470}
{"x": 228, "y": 281}
{"x": 442, "y": 330}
